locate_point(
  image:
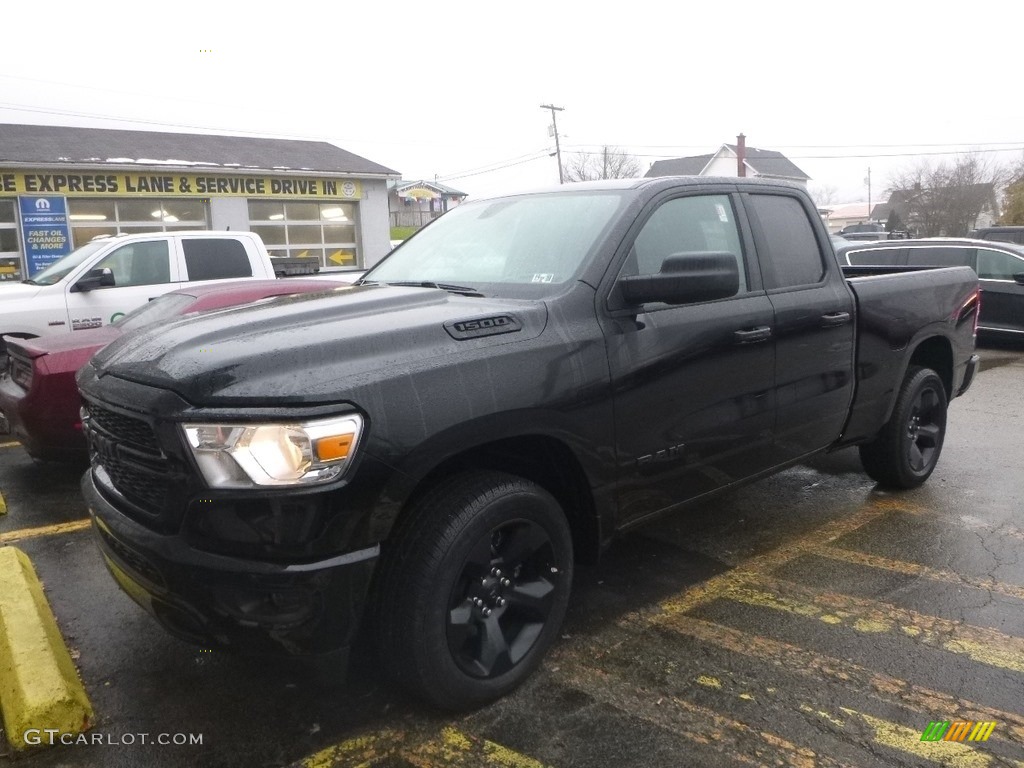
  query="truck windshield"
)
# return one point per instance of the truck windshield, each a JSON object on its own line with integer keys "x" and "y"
{"x": 529, "y": 240}
{"x": 60, "y": 269}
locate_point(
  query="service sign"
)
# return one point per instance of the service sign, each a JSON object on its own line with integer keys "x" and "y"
{"x": 44, "y": 230}
{"x": 164, "y": 184}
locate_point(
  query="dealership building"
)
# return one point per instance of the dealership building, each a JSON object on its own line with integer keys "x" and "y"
{"x": 60, "y": 187}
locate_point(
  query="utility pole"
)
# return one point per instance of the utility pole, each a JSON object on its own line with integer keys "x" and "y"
{"x": 869, "y": 193}
{"x": 558, "y": 147}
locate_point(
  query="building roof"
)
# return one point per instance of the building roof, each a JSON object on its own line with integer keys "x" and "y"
{"x": 764, "y": 162}
{"x": 679, "y": 166}
{"x": 768, "y": 162}
{"x": 49, "y": 144}
{"x": 401, "y": 185}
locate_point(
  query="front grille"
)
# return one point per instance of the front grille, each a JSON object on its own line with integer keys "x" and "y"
{"x": 124, "y": 429}
{"x": 127, "y": 459}
{"x": 21, "y": 371}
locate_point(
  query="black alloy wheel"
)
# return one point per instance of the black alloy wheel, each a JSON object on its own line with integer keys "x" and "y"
{"x": 502, "y": 599}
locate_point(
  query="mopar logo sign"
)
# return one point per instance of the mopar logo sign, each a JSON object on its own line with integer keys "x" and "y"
{"x": 44, "y": 230}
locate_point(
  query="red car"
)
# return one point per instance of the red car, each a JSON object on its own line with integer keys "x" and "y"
{"x": 39, "y": 400}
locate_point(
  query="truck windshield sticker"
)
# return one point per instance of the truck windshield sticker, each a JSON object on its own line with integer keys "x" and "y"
{"x": 543, "y": 277}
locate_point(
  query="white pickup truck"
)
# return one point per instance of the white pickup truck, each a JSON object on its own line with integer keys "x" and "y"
{"x": 106, "y": 278}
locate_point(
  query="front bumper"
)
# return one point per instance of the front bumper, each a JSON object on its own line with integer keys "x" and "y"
{"x": 308, "y": 609}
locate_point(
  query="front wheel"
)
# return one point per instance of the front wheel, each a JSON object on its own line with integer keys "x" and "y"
{"x": 907, "y": 449}
{"x": 474, "y": 588}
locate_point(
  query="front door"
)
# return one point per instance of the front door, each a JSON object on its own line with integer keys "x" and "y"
{"x": 1002, "y": 298}
{"x": 693, "y": 384}
{"x": 142, "y": 271}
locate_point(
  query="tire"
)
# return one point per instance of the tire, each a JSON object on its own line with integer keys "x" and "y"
{"x": 907, "y": 449}
{"x": 473, "y": 588}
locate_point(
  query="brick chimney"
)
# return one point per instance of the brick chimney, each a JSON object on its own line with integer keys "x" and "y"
{"x": 741, "y": 155}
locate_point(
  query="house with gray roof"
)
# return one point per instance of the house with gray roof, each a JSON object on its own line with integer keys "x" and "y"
{"x": 732, "y": 160}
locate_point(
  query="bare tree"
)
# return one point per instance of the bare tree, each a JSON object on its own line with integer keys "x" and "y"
{"x": 609, "y": 163}
{"x": 946, "y": 198}
{"x": 823, "y": 194}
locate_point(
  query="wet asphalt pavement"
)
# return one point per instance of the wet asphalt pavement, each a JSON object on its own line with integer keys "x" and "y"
{"x": 808, "y": 619}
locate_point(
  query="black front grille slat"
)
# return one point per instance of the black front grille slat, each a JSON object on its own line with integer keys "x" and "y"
{"x": 125, "y": 429}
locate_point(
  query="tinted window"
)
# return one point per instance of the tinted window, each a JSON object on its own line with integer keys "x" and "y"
{"x": 215, "y": 258}
{"x": 996, "y": 265}
{"x": 787, "y": 247}
{"x": 687, "y": 225}
{"x": 940, "y": 256}
{"x": 874, "y": 257}
{"x": 145, "y": 263}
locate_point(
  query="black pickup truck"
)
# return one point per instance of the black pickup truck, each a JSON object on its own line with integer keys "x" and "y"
{"x": 426, "y": 454}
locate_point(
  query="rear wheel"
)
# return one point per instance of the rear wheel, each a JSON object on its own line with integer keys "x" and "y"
{"x": 907, "y": 449}
{"x": 474, "y": 589}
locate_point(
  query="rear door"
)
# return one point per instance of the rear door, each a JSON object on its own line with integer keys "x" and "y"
{"x": 692, "y": 383}
{"x": 813, "y": 323}
{"x": 1002, "y": 300}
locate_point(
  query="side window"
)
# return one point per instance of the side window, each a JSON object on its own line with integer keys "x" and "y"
{"x": 146, "y": 263}
{"x": 687, "y": 225}
{"x": 997, "y": 265}
{"x": 215, "y": 258}
{"x": 939, "y": 256}
{"x": 874, "y": 257}
{"x": 787, "y": 248}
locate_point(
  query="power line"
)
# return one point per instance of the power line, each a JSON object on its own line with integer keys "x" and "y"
{"x": 496, "y": 162}
{"x": 500, "y": 167}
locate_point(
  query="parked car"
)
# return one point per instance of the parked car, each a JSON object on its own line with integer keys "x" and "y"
{"x": 39, "y": 402}
{"x": 864, "y": 231}
{"x": 499, "y": 397}
{"x": 1004, "y": 234}
{"x": 110, "y": 276}
{"x": 1000, "y": 268}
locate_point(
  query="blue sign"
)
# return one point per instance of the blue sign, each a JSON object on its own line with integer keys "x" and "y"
{"x": 44, "y": 230}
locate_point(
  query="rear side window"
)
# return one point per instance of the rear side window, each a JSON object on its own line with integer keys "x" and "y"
{"x": 874, "y": 257}
{"x": 997, "y": 265}
{"x": 215, "y": 258}
{"x": 787, "y": 247}
{"x": 940, "y": 256}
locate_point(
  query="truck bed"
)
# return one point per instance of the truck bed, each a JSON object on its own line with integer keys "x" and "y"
{"x": 896, "y": 306}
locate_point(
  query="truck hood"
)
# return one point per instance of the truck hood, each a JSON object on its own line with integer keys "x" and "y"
{"x": 315, "y": 349}
{"x": 57, "y": 343}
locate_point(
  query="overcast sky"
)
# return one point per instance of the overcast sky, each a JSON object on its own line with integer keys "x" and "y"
{"x": 452, "y": 89}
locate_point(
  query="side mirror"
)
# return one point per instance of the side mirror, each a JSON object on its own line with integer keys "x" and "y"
{"x": 101, "y": 277}
{"x": 1019, "y": 278}
{"x": 686, "y": 278}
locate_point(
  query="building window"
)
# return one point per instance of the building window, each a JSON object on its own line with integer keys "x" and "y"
{"x": 10, "y": 257}
{"x": 324, "y": 230}
{"x": 91, "y": 217}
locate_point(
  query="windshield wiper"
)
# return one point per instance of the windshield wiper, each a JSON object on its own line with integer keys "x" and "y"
{"x": 460, "y": 289}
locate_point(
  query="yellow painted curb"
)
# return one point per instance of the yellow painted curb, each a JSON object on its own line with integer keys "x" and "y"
{"x": 39, "y": 686}
{"x": 3, "y": 505}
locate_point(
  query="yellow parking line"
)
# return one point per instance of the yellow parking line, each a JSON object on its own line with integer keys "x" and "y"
{"x": 818, "y": 667}
{"x": 740, "y": 744}
{"x": 9, "y": 445}
{"x": 983, "y": 645}
{"x": 8, "y": 537}
{"x": 946, "y": 753}
{"x": 451, "y": 747}
{"x": 922, "y": 571}
{"x": 875, "y": 508}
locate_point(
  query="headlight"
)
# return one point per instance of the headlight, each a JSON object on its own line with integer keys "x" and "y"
{"x": 284, "y": 453}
